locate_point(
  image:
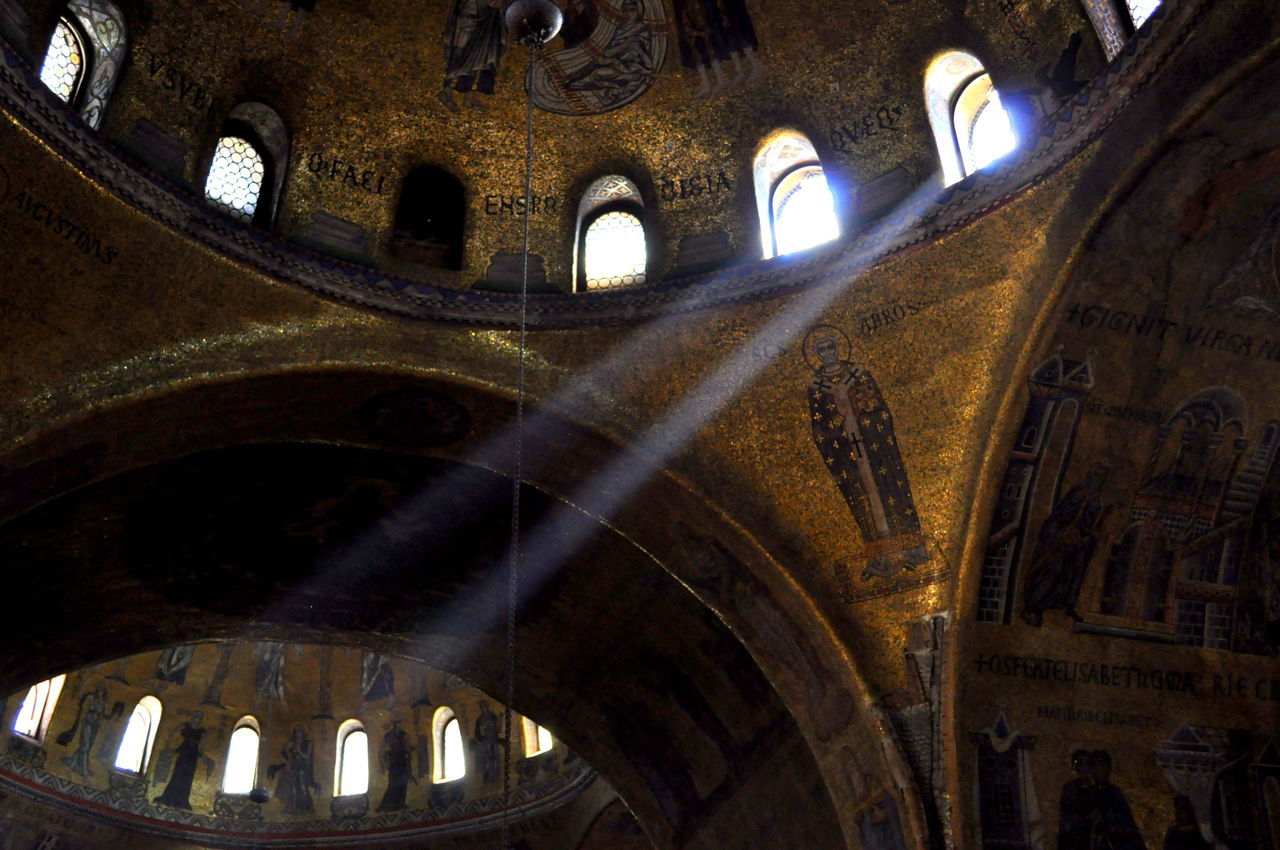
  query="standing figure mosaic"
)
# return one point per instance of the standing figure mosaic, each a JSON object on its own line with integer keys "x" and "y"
{"x": 397, "y": 761}
{"x": 88, "y": 723}
{"x": 185, "y": 758}
{"x": 475, "y": 40}
{"x": 853, "y": 430}
{"x": 718, "y": 41}
{"x": 296, "y": 774}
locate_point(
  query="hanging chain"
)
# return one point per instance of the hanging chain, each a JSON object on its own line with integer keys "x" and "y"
{"x": 513, "y": 573}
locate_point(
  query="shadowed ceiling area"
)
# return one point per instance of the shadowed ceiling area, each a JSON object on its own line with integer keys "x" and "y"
{"x": 403, "y": 554}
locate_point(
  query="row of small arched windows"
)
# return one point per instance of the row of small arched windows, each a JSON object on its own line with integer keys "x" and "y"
{"x": 240, "y": 773}
{"x": 796, "y": 210}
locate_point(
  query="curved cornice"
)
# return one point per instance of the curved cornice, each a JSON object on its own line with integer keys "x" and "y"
{"x": 140, "y": 815}
{"x": 918, "y": 221}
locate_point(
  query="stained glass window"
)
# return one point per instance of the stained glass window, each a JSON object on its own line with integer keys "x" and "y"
{"x": 1140, "y": 10}
{"x": 614, "y": 251}
{"x": 242, "y": 760}
{"x": 64, "y": 61}
{"x": 804, "y": 214}
{"x": 36, "y": 710}
{"x": 139, "y": 735}
{"x": 235, "y": 178}
{"x": 352, "y": 773}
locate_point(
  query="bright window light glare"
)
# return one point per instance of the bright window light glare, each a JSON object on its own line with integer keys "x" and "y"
{"x": 615, "y": 251}
{"x": 133, "y": 746}
{"x": 806, "y": 216}
{"x": 354, "y": 778}
{"x": 63, "y": 62}
{"x": 454, "y": 767}
{"x": 242, "y": 762}
{"x": 1140, "y": 10}
{"x": 36, "y": 709}
{"x": 991, "y": 136}
{"x": 235, "y": 177}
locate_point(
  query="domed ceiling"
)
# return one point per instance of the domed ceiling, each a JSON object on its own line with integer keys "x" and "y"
{"x": 145, "y": 743}
{"x": 675, "y": 95}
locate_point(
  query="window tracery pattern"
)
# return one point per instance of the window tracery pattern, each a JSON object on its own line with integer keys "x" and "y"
{"x": 1140, "y": 10}
{"x": 235, "y": 178}
{"x": 104, "y": 25}
{"x": 614, "y": 251}
{"x": 64, "y": 61}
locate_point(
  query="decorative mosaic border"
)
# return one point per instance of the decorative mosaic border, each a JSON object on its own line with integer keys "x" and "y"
{"x": 1077, "y": 123}
{"x": 129, "y": 812}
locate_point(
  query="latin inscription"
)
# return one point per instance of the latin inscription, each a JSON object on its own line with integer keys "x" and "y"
{"x": 350, "y": 174}
{"x": 883, "y": 317}
{"x": 1127, "y": 676}
{"x": 1094, "y": 407}
{"x": 698, "y": 186}
{"x": 1124, "y": 323}
{"x": 185, "y": 88}
{"x": 877, "y": 122}
{"x": 1101, "y": 716}
{"x": 514, "y": 205}
{"x": 30, "y": 206}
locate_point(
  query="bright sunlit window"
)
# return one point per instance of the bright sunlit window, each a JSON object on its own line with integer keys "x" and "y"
{"x": 796, "y": 208}
{"x": 139, "y": 736}
{"x": 64, "y": 61}
{"x": 37, "y": 708}
{"x": 351, "y": 773}
{"x": 614, "y": 251}
{"x": 970, "y": 125}
{"x": 235, "y": 178}
{"x": 982, "y": 125}
{"x": 804, "y": 214}
{"x": 1140, "y": 10}
{"x": 450, "y": 758}
{"x": 536, "y": 739}
{"x": 241, "y": 772}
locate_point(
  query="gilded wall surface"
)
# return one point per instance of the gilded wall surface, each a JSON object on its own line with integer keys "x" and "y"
{"x": 951, "y": 534}
{"x": 300, "y": 700}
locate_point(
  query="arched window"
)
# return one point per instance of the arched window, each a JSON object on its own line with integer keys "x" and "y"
{"x": 247, "y": 171}
{"x": 450, "y": 761}
{"x": 1140, "y": 10}
{"x": 430, "y": 219}
{"x": 139, "y": 735}
{"x": 970, "y": 126}
{"x": 792, "y": 196}
{"x": 84, "y": 57}
{"x": 241, "y": 772}
{"x": 37, "y": 708}
{"x": 536, "y": 739}
{"x": 612, "y": 250}
{"x": 351, "y": 772}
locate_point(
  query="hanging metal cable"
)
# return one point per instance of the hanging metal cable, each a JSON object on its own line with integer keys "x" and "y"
{"x": 532, "y": 23}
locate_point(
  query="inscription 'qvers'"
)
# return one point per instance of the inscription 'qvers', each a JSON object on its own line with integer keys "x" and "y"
{"x": 347, "y": 172}
{"x": 170, "y": 77}
{"x": 885, "y": 119}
